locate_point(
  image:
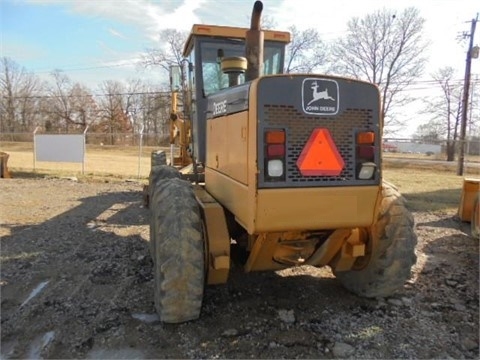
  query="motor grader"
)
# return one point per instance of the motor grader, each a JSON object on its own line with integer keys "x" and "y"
{"x": 275, "y": 170}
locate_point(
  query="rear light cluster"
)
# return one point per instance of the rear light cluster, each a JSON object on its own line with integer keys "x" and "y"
{"x": 365, "y": 145}
{"x": 275, "y": 141}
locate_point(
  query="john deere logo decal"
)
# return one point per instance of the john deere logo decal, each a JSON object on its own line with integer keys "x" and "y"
{"x": 320, "y": 96}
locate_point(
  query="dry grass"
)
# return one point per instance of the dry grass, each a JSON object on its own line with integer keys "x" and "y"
{"x": 427, "y": 190}
{"x": 419, "y": 156}
{"x": 100, "y": 162}
{"x": 427, "y": 187}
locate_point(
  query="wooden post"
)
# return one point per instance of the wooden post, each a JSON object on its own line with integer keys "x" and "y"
{"x": 4, "y": 173}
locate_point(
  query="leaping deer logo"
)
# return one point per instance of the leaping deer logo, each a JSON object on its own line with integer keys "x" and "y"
{"x": 319, "y": 95}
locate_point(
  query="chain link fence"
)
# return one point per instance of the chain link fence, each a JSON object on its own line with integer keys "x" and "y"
{"x": 115, "y": 139}
{"x": 118, "y": 155}
{"x": 129, "y": 154}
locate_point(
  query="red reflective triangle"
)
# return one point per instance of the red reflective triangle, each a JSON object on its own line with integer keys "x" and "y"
{"x": 320, "y": 155}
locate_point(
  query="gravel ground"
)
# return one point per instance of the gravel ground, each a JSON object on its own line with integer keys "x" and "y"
{"x": 76, "y": 282}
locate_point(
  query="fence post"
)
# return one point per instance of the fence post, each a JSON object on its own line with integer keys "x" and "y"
{"x": 140, "y": 149}
{"x": 34, "y": 147}
{"x": 84, "y": 148}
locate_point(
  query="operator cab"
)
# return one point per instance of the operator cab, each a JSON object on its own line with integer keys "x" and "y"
{"x": 207, "y": 44}
{"x": 204, "y": 50}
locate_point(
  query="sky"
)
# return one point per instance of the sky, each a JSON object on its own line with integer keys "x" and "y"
{"x": 96, "y": 40}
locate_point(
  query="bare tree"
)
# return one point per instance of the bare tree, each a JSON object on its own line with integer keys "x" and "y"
{"x": 474, "y": 110}
{"x": 171, "y": 53}
{"x": 18, "y": 100}
{"x": 445, "y": 110}
{"x": 132, "y": 104}
{"x": 268, "y": 23}
{"x": 386, "y": 49}
{"x": 154, "y": 112}
{"x": 432, "y": 131}
{"x": 114, "y": 105}
{"x": 132, "y": 100}
{"x": 84, "y": 105}
{"x": 306, "y": 53}
{"x": 71, "y": 105}
{"x": 61, "y": 109}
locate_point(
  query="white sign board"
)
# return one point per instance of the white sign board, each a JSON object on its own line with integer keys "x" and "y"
{"x": 60, "y": 148}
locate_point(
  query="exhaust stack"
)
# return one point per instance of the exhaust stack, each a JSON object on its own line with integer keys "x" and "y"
{"x": 254, "y": 44}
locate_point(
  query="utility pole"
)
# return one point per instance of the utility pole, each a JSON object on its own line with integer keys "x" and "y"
{"x": 466, "y": 88}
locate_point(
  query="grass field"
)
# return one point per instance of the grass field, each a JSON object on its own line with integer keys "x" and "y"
{"x": 100, "y": 162}
{"x": 426, "y": 186}
{"x": 427, "y": 189}
{"x": 391, "y": 155}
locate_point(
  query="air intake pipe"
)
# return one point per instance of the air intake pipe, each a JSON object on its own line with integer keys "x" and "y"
{"x": 254, "y": 44}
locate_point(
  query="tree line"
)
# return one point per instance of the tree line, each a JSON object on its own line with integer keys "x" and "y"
{"x": 445, "y": 114}
{"x": 384, "y": 47}
{"x": 64, "y": 106}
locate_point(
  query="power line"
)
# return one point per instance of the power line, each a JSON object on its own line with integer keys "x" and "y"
{"x": 423, "y": 85}
{"x": 64, "y": 69}
{"x": 90, "y": 95}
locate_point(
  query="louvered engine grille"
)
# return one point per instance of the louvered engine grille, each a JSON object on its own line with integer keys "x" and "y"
{"x": 299, "y": 127}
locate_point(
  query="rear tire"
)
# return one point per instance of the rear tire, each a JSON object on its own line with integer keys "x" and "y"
{"x": 177, "y": 232}
{"x": 475, "y": 223}
{"x": 393, "y": 250}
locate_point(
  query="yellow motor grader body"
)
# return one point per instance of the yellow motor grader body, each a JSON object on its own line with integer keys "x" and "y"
{"x": 285, "y": 171}
{"x": 231, "y": 175}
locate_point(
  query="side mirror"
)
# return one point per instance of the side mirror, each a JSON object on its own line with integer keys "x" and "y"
{"x": 175, "y": 78}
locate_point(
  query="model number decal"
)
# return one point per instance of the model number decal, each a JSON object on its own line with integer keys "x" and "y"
{"x": 219, "y": 108}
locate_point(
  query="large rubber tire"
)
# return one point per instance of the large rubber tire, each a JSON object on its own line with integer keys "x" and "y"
{"x": 158, "y": 157}
{"x": 159, "y": 173}
{"x": 475, "y": 222}
{"x": 162, "y": 172}
{"x": 177, "y": 231}
{"x": 392, "y": 254}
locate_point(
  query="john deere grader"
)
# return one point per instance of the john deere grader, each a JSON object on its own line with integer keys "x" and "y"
{"x": 274, "y": 170}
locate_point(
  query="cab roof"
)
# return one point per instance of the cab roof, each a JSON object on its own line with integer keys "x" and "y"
{"x": 230, "y": 32}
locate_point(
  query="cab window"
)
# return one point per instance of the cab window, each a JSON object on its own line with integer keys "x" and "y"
{"x": 214, "y": 79}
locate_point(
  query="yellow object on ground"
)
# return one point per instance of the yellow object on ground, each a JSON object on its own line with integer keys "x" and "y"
{"x": 471, "y": 189}
{"x": 4, "y": 173}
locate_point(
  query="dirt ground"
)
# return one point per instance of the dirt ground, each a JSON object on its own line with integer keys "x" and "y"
{"x": 76, "y": 282}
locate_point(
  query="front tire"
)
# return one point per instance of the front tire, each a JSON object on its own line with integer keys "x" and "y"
{"x": 392, "y": 256}
{"x": 177, "y": 232}
{"x": 158, "y": 173}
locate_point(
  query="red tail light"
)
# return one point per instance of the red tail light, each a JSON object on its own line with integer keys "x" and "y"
{"x": 366, "y": 152}
{"x": 275, "y": 155}
{"x": 275, "y": 150}
{"x": 365, "y": 145}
